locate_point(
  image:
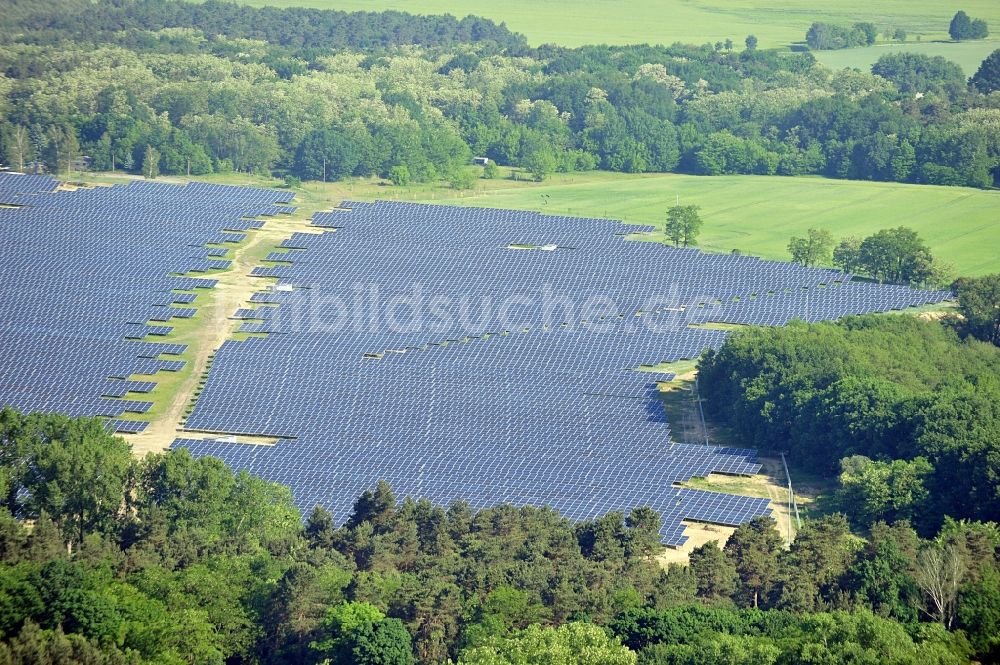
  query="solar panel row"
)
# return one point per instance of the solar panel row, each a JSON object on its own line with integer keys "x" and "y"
{"x": 85, "y": 271}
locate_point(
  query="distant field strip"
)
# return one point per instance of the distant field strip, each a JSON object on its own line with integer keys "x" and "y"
{"x": 774, "y": 22}
{"x": 968, "y": 55}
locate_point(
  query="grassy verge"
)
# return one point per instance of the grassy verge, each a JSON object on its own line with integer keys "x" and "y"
{"x": 190, "y": 332}
{"x": 184, "y": 331}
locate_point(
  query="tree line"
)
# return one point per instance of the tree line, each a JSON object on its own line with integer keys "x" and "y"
{"x": 260, "y": 93}
{"x": 896, "y": 256}
{"x": 171, "y": 559}
{"x": 827, "y": 36}
{"x": 133, "y": 24}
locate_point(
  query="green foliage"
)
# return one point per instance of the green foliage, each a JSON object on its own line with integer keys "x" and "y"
{"x": 461, "y": 178}
{"x": 683, "y": 225}
{"x": 150, "y": 162}
{"x": 214, "y": 88}
{"x": 816, "y": 248}
{"x": 753, "y": 549}
{"x": 847, "y": 255}
{"x": 375, "y": 507}
{"x": 824, "y": 36}
{"x": 326, "y": 154}
{"x": 917, "y": 73}
{"x": 642, "y": 532}
{"x": 309, "y": 28}
{"x": 33, "y": 645}
{"x": 814, "y": 389}
{"x": 358, "y": 633}
{"x": 987, "y": 77}
{"x": 956, "y": 429}
{"x": 540, "y": 162}
{"x": 979, "y": 612}
{"x": 813, "y": 571}
{"x": 882, "y": 491}
{"x": 491, "y": 171}
{"x": 697, "y": 635}
{"x": 964, "y": 27}
{"x": 897, "y": 256}
{"x": 716, "y": 574}
{"x": 581, "y": 643}
{"x": 979, "y": 303}
{"x": 70, "y": 470}
{"x": 199, "y": 565}
{"x": 399, "y": 175}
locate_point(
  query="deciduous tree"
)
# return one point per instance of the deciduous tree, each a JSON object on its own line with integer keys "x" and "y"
{"x": 987, "y": 77}
{"x": 897, "y": 256}
{"x": 939, "y": 574}
{"x": 74, "y": 472}
{"x": 847, "y": 255}
{"x": 979, "y": 303}
{"x": 578, "y": 643}
{"x": 151, "y": 162}
{"x": 683, "y": 225}
{"x": 815, "y": 248}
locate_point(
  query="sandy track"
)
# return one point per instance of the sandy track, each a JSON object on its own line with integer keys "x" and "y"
{"x": 233, "y": 290}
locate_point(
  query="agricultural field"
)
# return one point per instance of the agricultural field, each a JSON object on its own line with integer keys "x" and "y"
{"x": 754, "y": 214}
{"x": 968, "y": 55}
{"x": 655, "y": 21}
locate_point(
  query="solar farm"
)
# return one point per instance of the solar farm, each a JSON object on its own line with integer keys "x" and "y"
{"x": 478, "y": 354}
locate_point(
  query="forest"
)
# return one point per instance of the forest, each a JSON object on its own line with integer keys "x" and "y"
{"x": 171, "y": 559}
{"x": 903, "y": 409}
{"x": 163, "y": 86}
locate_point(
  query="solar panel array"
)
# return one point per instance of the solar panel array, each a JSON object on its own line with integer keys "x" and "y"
{"x": 85, "y": 271}
{"x": 489, "y": 355}
{"x": 18, "y": 189}
{"x": 420, "y": 344}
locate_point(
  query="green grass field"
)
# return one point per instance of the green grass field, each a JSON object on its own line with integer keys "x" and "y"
{"x": 969, "y": 55}
{"x": 774, "y": 22}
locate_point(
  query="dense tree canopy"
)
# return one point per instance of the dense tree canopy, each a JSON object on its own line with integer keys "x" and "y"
{"x": 218, "y": 86}
{"x": 900, "y": 407}
{"x": 294, "y": 26}
{"x": 824, "y": 36}
{"x": 987, "y": 77}
{"x": 979, "y": 303}
{"x": 919, "y": 73}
